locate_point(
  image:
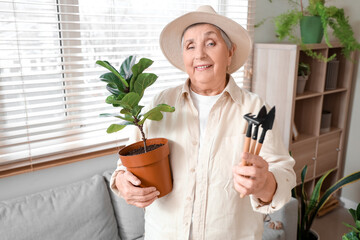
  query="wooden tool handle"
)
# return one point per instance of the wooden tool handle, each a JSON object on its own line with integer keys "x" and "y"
{"x": 258, "y": 148}
{"x": 246, "y": 149}
{"x": 252, "y": 146}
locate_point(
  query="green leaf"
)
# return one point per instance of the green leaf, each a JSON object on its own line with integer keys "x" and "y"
{"x": 338, "y": 185}
{"x": 316, "y": 192}
{"x": 155, "y": 113}
{"x": 358, "y": 212}
{"x": 113, "y": 89}
{"x": 108, "y": 66}
{"x": 125, "y": 111}
{"x": 143, "y": 81}
{"x": 138, "y": 68}
{"x": 125, "y": 68}
{"x": 112, "y": 78}
{"x": 353, "y": 214}
{"x": 136, "y": 110}
{"x": 127, "y": 118}
{"x": 112, "y": 100}
{"x": 116, "y": 127}
{"x": 130, "y": 100}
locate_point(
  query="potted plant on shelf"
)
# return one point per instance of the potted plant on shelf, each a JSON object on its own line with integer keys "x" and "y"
{"x": 303, "y": 76}
{"x": 310, "y": 206}
{"x": 354, "y": 233}
{"x": 147, "y": 159}
{"x": 314, "y": 21}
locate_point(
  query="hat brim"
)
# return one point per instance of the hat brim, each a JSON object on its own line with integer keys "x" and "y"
{"x": 170, "y": 38}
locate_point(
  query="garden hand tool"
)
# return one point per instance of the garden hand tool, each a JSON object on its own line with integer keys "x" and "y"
{"x": 250, "y": 119}
{"x": 266, "y": 125}
{"x": 257, "y": 121}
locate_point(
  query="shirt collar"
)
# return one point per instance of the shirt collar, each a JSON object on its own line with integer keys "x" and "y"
{"x": 231, "y": 88}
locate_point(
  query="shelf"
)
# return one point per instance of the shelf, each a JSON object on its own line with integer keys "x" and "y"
{"x": 332, "y": 130}
{"x": 303, "y": 138}
{"x": 335, "y": 91}
{"x": 326, "y": 91}
{"x": 307, "y": 94}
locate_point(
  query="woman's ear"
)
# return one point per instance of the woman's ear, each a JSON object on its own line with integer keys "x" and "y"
{"x": 231, "y": 53}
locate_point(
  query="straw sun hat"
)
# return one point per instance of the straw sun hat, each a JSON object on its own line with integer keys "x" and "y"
{"x": 170, "y": 37}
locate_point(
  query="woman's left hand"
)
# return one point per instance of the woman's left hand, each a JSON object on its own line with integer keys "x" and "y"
{"x": 255, "y": 179}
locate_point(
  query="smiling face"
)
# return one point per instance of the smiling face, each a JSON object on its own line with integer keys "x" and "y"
{"x": 206, "y": 58}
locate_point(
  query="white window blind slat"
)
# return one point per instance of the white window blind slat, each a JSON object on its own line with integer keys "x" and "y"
{"x": 50, "y": 92}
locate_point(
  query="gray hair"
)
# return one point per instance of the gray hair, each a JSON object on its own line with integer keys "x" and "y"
{"x": 223, "y": 34}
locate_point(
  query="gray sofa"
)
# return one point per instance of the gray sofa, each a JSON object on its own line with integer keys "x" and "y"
{"x": 90, "y": 210}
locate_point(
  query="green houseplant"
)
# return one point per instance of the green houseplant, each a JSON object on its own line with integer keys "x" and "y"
{"x": 303, "y": 75}
{"x": 354, "y": 233}
{"x": 127, "y": 87}
{"x": 318, "y": 14}
{"x": 310, "y": 205}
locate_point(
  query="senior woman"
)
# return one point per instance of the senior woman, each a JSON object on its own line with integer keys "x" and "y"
{"x": 206, "y": 135}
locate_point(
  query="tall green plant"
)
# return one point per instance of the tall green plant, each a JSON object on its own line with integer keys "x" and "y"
{"x": 127, "y": 87}
{"x": 309, "y": 207}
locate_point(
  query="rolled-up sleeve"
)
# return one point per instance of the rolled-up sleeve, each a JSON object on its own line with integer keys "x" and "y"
{"x": 281, "y": 165}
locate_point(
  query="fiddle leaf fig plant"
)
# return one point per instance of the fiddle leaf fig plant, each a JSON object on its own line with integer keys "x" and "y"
{"x": 127, "y": 87}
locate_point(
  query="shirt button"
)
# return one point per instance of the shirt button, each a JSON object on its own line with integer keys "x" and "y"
{"x": 194, "y": 142}
{"x": 186, "y": 223}
{"x": 188, "y": 198}
{"x": 192, "y": 170}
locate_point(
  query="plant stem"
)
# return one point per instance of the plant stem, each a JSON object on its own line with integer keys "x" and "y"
{"x": 136, "y": 122}
{"x": 302, "y": 8}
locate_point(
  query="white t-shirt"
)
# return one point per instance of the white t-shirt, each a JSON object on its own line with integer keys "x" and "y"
{"x": 203, "y": 104}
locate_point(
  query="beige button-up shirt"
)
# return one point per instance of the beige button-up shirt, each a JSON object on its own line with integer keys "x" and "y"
{"x": 203, "y": 195}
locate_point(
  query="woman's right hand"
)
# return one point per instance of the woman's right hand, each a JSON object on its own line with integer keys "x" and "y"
{"x": 129, "y": 188}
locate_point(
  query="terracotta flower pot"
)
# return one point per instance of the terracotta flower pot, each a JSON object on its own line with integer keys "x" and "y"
{"x": 153, "y": 167}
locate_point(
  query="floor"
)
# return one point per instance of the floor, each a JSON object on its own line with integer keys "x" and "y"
{"x": 330, "y": 226}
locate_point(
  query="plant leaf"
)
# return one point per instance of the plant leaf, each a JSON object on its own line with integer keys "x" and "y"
{"x": 113, "y": 89}
{"x": 108, "y": 66}
{"x": 314, "y": 199}
{"x": 155, "y": 113}
{"x": 127, "y": 118}
{"x": 116, "y": 127}
{"x": 112, "y": 78}
{"x": 136, "y": 110}
{"x": 137, "y": 69}
{"x": 338, "y": 185}
{"x": 125, "y": 68}
{"x": 303, "y": 203}
{"x": 130, "y": 100}
{"x": 143, "y": 81}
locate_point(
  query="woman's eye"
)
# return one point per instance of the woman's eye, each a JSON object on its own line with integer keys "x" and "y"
{"x": 190, "y": 47}
{"x": 211, "y": 44}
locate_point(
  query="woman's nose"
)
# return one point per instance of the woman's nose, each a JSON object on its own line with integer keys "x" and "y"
{"x": 200, "y": 53}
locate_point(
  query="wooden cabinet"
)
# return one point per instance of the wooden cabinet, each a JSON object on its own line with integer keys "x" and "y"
{"x": 275, "y": 80}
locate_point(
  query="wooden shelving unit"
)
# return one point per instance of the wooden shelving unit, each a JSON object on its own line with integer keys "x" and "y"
{"x": 275, "y": 80}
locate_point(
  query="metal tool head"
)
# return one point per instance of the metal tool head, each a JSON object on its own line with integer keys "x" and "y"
{"x": 262, "y": 114}
{"x": 269, "y": 119}
{"x": 251, "y": 119}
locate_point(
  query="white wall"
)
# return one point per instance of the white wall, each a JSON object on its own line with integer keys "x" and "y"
{"x": 265, "y": 33}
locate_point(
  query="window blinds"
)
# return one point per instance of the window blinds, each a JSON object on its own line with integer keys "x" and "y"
{"x": 50, "y": 92}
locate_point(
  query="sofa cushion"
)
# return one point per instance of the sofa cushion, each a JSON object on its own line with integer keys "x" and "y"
{"x": 130, "y": 219}
{"x": 81, "y": 210}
